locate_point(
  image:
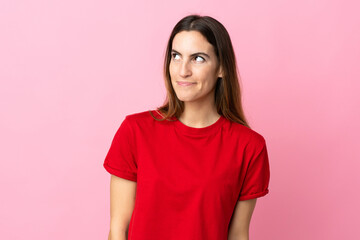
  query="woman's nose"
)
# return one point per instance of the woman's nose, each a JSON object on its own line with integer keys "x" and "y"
{"x": 185, "y": 69}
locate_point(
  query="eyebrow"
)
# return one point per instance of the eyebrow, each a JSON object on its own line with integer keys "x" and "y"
{"x": 197, "y": 53}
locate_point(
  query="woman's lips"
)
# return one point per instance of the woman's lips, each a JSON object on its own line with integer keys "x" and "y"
{"x": 185, "y": 83}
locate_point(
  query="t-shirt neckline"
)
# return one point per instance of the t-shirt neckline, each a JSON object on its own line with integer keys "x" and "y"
{"x": 199, "y": 131}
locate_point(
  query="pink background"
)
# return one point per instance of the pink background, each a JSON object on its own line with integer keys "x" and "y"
{"x": 71, "y": 70}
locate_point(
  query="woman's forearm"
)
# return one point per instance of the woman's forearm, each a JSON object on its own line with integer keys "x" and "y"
{"x": 238, "y": 237}
{"x": 118, "y": 229}
{"x": 117, "y": 235}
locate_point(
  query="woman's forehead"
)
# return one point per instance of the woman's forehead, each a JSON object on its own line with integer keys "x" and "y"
{"x": 189, "y": 42}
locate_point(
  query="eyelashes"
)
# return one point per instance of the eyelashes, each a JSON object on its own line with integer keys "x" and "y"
{"x": 197, "y": 56}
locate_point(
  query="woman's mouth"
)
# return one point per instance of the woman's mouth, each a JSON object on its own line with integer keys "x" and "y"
{"x": 185, "y": 83}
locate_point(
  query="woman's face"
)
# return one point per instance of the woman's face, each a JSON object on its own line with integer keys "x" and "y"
{"x": 193, "y": 67}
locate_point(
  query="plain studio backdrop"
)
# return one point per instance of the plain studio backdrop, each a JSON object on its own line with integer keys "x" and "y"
{"x": 71, "y": 70}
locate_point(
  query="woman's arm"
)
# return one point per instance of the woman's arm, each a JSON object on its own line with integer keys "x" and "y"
{"x": 122, "y": 201}
{"x": 240, "y": 222}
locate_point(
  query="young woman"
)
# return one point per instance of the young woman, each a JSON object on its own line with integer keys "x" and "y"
{"x": 192, "y": 168}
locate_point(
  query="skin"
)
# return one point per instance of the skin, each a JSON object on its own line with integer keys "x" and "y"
{"x": 122, "y": 202}
{"x": 199, "y": 112}
{"x": 198, "y": 98}
{"x": 240, "y": 223}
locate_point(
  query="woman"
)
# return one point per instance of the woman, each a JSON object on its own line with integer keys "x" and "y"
{"x": 192, "y": 168}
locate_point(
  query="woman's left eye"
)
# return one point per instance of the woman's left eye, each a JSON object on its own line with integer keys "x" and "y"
{"x": 200, "y": 58}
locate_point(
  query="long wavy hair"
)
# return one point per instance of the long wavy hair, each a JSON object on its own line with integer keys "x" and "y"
{"x": 227, "y": 89}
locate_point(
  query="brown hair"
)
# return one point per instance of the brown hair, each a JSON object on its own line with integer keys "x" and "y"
{"x": 227, "y": 89}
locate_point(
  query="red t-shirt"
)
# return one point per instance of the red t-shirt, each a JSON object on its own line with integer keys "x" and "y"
{"x": 188, "y": 179}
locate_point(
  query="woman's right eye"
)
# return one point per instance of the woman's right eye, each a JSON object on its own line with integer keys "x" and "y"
{"x": 173, "y": 55}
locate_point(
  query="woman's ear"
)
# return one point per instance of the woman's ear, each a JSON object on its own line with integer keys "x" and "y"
{"x": 220, "y": 72}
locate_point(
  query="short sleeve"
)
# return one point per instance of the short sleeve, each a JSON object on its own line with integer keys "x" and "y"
{"x": 257, "y": 175}
{"x": 120, "y": 159}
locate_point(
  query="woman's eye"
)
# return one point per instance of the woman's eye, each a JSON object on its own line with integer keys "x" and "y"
{"x": 196, "y": 57}
{"x": 200, "y": 58}
{"x": 173, "y": 55}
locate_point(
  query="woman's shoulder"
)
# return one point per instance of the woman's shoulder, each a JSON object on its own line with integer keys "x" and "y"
{"x": 246, "y": 132}
{"x": 143, "y": 116}
{"x": 138, "y": 115}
